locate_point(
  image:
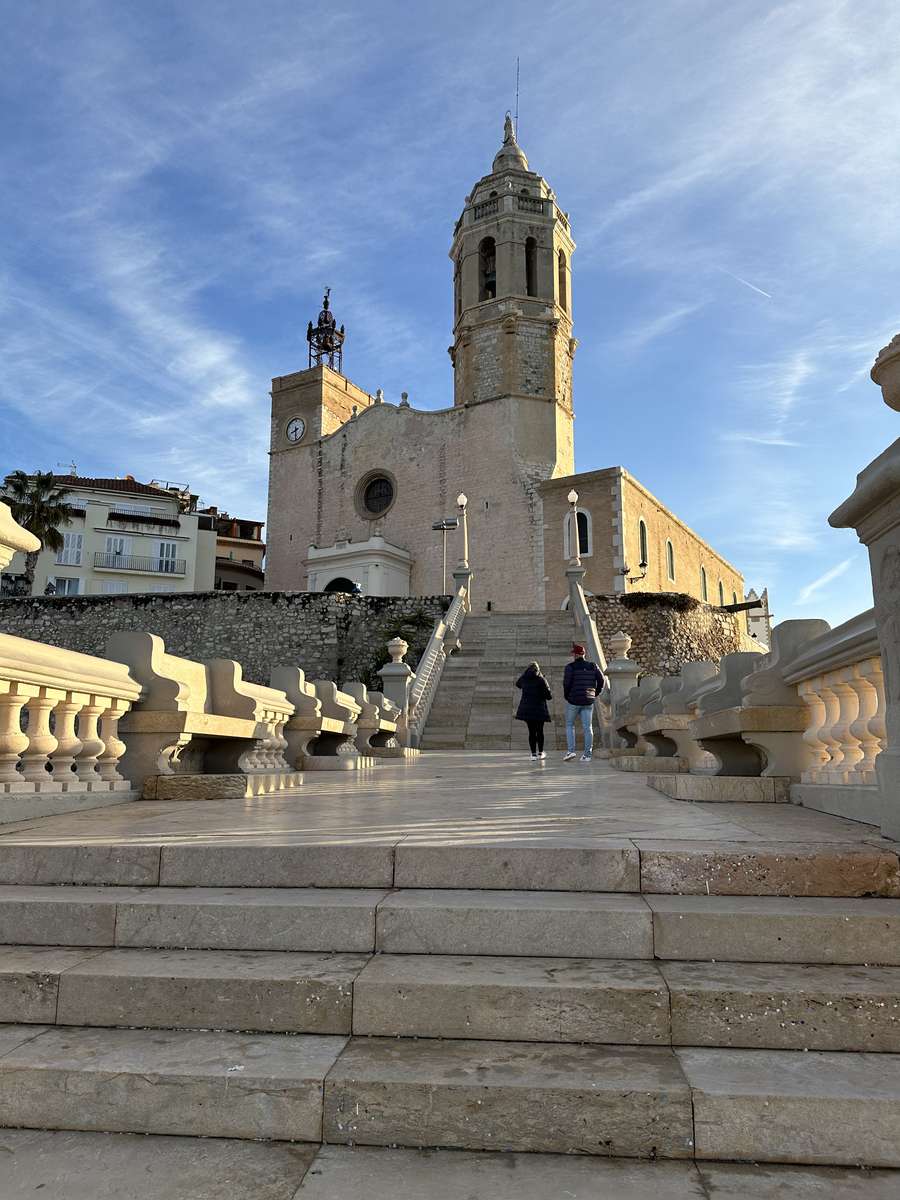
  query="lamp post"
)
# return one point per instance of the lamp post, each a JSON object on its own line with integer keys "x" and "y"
{"x": 461, "y": 501}
{"x": 463, "y": 574}
{"x": 442, "y": 527}
{"x": 575, "y": 540}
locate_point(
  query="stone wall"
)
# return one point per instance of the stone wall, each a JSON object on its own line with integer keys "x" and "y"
{"x": 331, "y": 636}
{"x": 667, "y": 630}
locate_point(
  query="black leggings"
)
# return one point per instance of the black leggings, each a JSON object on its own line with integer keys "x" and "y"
{"x": 536, "y": 736}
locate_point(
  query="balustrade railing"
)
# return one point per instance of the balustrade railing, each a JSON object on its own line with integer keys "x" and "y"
{"x": 486, "y": 209}
{"x": 431, "y": 665}
{"x": 138, "y": 562}
{"x": 839, "y": 676}
{"x": 59, "y": 713}
{"x": 529, "y": 204}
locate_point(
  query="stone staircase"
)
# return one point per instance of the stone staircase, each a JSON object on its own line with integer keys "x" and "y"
{"x": 590, "y": 999}
{"x": 477, "y": 698}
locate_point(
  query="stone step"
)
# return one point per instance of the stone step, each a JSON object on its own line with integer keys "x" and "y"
{"x": 267, "y": 992}
{"x": 552, "y": 924}
{"x": 509, "y": 1096}
{"x": 665, "y": 867}
{"x": 67, "y": 1165}
{"x": 777, "y": 929}
{"x": 774, "y": 1006}
{"x": 774, "y": 869}
{"x": 792, "y": 1106}
{"x": 760, "y": 1105}
{"x": 204, "y": 918}
{"x": 200, "y": 1084}
{"x": 784, "y": 1006}
{"x": 531, "y": 999}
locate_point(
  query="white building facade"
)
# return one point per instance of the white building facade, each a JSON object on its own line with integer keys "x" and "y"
{"x": 126, "y": 537}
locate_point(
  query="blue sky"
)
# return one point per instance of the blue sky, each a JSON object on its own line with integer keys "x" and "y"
{"x": 181, "y": 179}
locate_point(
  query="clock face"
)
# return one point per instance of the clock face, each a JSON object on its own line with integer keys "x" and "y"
{"x": 296, "y": 428}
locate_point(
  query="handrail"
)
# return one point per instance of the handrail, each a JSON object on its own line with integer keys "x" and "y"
{"x": 582, "y": 616}
{"x": 431, "y": 665}
{"x": 149, "y": 565}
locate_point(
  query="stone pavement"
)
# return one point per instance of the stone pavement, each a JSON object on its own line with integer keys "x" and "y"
{"x": 472, "y": 797}
{"x": 440, "y": 959}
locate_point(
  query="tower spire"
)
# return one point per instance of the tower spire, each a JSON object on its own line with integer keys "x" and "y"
{"x": 326, "y": 341}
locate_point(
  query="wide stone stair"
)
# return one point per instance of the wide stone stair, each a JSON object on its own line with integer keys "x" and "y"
{"x": 703, "y": 1003}
{"x": 477, "y": 698}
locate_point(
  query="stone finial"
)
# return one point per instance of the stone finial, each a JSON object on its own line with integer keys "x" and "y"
{"x": 397, "y": 649}
{"x": 379, "y": 396}
{"x": 886, "y": 372}
{"x": 404, "y": 399}
{"x": 620, "y": 644}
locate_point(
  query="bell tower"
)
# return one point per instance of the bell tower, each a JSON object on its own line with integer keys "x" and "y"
{"x": 512, "y": 331}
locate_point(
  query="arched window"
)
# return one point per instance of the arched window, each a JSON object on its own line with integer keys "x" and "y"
{"x": 721, "y": 594}
{"x": 585, "y": 534}
{"x": 670, "y": 561}
{"x": 457, "y": 286}
{"x": 642, "y": 534}
{"x": 704, "y": 590}
{"x": 530, "y": 267}
{"x": 487, "y": 269}
{"x": 339, "y": 585}
{"x": 734, "y": 598}
{"x": 563, "y": 283}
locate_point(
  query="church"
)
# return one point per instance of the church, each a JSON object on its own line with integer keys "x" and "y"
{"x": 357, "y": 484}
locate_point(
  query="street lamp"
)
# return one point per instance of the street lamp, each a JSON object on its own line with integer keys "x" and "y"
{"x": 575, "y": 540}
{"x": 442, "y": 527}
{"x": 461, "y": 501}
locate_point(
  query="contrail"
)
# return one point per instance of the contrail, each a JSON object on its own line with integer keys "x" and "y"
{"x": 746, "y": 283}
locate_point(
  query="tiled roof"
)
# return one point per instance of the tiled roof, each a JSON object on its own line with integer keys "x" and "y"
{"x": 131, "y": 486}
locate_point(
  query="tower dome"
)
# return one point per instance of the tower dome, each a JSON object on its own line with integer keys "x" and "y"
{"x": 510, "y": 155}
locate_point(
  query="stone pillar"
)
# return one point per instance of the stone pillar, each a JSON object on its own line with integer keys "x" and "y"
{"x": 622, "y": 675}
{"x": 397, "y": 677}
{"x": 874, "y": 512}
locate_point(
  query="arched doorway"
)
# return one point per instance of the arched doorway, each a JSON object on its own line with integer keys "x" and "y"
{"x": 340, "y": 585}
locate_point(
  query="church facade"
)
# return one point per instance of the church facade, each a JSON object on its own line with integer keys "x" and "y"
{"x": 356, "y": 483}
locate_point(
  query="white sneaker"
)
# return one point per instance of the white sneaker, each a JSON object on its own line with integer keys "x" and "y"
{"x": 568, "y": 757}
{"x": 542, "y": 755}
{"x": 584, "y": 757}
{"x": 534, "y": 758}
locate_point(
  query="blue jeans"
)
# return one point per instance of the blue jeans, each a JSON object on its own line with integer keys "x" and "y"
{"x": 586, "y": 711}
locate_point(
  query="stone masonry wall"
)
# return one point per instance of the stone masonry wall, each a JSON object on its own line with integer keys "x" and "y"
{"x": 331, "y": 636}
{"x": 666, "y": 633}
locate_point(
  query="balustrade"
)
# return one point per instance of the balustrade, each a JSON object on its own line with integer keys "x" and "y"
{"x": 58, "y": 716}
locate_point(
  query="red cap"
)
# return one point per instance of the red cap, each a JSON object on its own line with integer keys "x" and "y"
{"x": 576, "y": 649}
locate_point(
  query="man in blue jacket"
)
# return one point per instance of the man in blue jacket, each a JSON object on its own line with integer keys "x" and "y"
{"x": 582, "y": 684}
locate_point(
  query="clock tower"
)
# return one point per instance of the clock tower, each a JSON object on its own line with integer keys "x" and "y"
{"x": 310, "y": 404}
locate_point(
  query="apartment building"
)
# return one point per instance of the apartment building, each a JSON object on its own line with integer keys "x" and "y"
{"x": 127, "y": 536}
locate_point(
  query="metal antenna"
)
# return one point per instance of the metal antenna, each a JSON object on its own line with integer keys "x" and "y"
{"x": 517, "y": 97}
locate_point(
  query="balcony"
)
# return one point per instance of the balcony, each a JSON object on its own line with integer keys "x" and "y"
{"x": 130, "y": 516}
{"x": 531, "y": 204}
{"x": 137, "y": 562}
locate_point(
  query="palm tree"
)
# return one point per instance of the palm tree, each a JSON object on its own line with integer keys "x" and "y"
{"x": 39, "y": 505}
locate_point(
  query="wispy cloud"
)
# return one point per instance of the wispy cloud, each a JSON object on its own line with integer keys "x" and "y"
{"x": 638, "y": 336}
{"x": 823, "y": 581}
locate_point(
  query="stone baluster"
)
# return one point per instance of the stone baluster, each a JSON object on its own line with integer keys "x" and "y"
{"x": 831, "y": 770}
{"x": 92, "y": 746}
{"x": 873, "y": 670}
{"x": 863, "y": 727}
{"x": 113, "y": 746}
{"x": 848, "y": 711}
{"x": 809, "y": 692}
{"x": 41, "y": 742}
{"x": 68, "y": 744}
{"x": 12, "y": 740}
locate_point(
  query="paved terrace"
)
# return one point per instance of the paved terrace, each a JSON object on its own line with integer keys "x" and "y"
{"x": 441, "y": 797}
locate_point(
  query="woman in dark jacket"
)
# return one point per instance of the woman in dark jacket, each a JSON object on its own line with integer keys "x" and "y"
{"x": 533, "y": 707}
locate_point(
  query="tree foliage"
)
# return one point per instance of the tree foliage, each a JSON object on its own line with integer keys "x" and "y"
{"x": 39, "y": 505}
